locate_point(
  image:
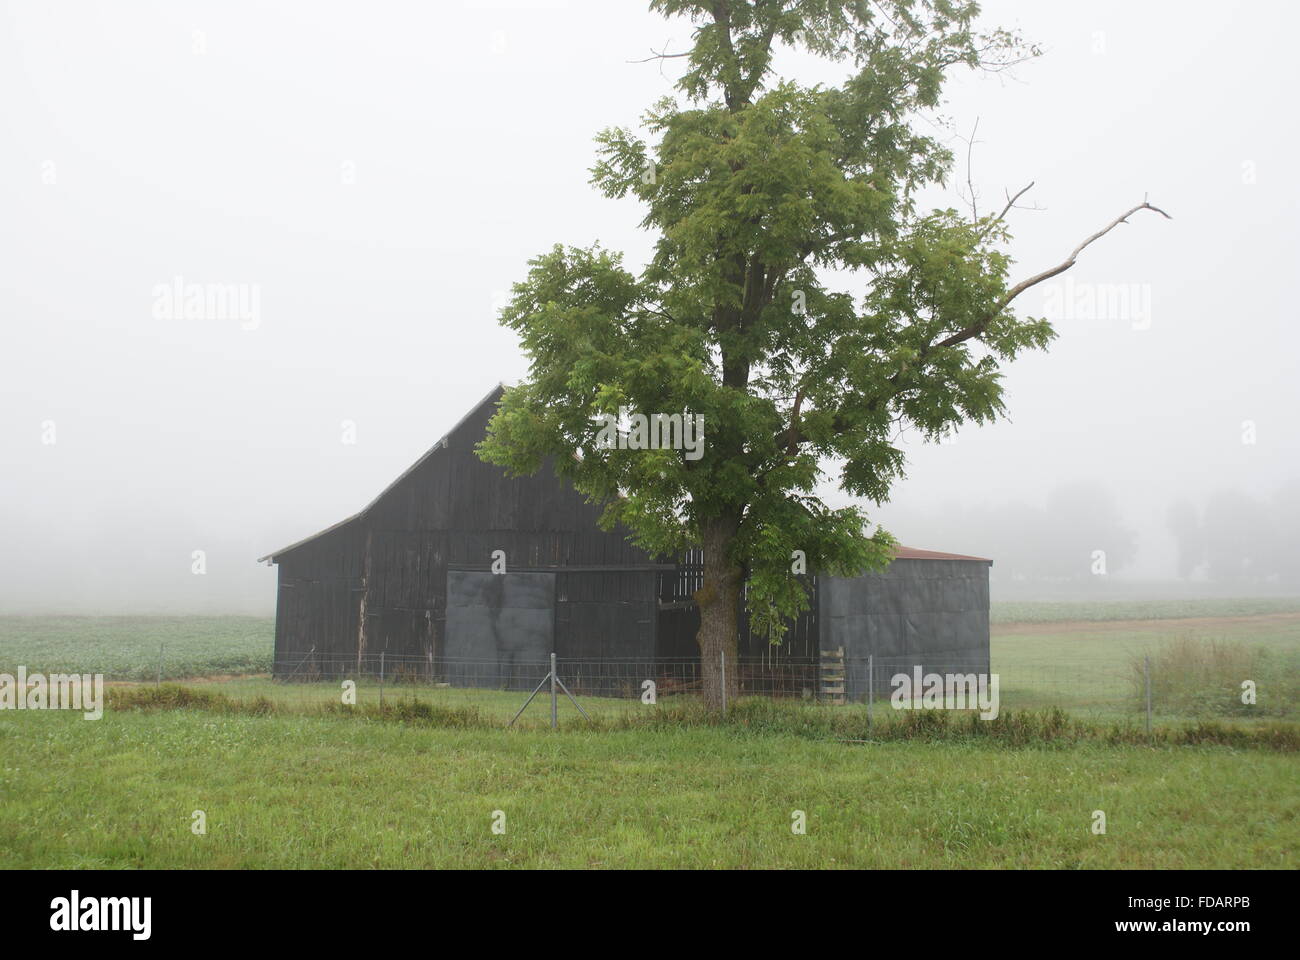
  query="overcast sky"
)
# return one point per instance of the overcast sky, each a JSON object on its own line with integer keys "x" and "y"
{"x": 375, "y": 175}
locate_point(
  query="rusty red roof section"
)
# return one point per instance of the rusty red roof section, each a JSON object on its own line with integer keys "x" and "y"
{"x": 912, "y": 553}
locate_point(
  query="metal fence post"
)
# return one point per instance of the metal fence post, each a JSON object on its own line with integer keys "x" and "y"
{"x": 554, "y": 702}
{"x": 160, "y": 662}
{"x": 1146, "y": 673}
{"x": 871, "y": 689}
{"x": 723, "y": 658}
{"x": 381, "y": 679}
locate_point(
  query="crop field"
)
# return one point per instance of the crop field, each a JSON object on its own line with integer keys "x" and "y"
{"x": 287, "y": 777}
{"x": 132, "y": 648}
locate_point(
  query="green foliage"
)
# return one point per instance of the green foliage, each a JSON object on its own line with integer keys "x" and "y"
{"x": 756, "y": 187}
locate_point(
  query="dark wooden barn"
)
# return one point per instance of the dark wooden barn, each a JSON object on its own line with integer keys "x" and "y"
{"x": 407, "y": 586}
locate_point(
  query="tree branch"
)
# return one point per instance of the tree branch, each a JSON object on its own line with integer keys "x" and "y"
{"x": 970, "y": 185}
{"x": 975, "y": 329}
{"x": 660, "y": 56}
{"x": 792, "y": 435}
{"x": 895, "y": 382}
{"x": 1011, "y": 202}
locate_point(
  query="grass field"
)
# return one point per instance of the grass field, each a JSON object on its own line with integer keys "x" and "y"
{"x": 1093, "y": 667}
{"x": 1187, "y": 608}
{"x": 283, "y": 783}
{"x": 1087, "y": 664}
{"x": 314, "y": 792}
{"x": 130, "y": 648}
{"x": 1090, "y": 668}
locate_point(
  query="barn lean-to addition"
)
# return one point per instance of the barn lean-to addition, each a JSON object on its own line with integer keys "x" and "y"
{"x": 410, "y": 577}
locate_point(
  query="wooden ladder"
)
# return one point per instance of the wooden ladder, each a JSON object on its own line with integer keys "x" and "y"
{"x": 832, "y": 677}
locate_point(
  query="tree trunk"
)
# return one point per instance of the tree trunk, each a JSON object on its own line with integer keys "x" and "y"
{"x": 719, "y": 602}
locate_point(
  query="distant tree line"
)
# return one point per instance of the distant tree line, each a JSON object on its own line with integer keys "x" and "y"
{"x": 1239, "y": 537}
{"x": 1080, "y": 532}
{"x": 1077, "y": 534}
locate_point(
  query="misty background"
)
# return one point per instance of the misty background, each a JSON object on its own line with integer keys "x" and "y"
{"x": 372, "y": 178}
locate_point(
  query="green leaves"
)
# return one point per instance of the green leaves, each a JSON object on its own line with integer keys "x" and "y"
{"x": 754, "y": 187}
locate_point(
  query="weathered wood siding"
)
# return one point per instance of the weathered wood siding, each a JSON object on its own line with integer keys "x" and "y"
{"x": 318, "y": 603}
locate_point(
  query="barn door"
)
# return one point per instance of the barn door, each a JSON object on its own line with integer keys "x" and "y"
{"x": 500, "y": 628}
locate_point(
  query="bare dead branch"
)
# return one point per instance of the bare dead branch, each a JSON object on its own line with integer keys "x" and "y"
{"x": 793, "y": 436}
{"x": 1024, "y": 285}
{"x": 1010, "y": 203}
{"x": 660, "y": 56}
{"x": 961, "y": 336}
{"x": 970, "y": 149}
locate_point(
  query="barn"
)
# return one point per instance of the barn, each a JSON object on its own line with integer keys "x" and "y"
{"x": 406, "y": 586}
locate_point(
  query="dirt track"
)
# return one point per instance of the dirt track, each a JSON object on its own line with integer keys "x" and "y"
{"x": 1166, "y": 625}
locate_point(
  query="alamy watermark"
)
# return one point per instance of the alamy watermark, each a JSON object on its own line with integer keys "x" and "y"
{"x": 237, "y": 302}
{"x": 77, "y": 913}
{"x": 58, "y": 691}
{"x": 1129, "y": 302}
{"x": 948, "y": 691}
{"x": 630, "y": 430}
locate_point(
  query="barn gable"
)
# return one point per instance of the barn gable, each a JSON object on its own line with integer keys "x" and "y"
{"x": 378, "y": 581}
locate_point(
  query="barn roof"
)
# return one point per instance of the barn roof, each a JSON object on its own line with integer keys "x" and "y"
{"x": 492, "y": 397}
{"x": 913, "y": 553}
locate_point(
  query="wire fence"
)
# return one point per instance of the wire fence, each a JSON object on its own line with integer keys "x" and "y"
{"x": 1131, "y": 688}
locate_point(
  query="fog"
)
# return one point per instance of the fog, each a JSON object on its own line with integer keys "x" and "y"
{"x": 370, "y": 178}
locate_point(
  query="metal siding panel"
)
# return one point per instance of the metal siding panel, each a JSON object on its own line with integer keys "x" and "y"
{"x": 505, "y": 619}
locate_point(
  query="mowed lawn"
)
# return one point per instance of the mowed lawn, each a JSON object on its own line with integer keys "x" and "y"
{"x": 296, "y": 791}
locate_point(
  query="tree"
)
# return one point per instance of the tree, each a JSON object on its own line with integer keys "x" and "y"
{"x": 1079, "y": 519}
{"x": 1237, "y": 527}
{"x": 757, "y": 187}
{"x": 1184, "y": 523}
